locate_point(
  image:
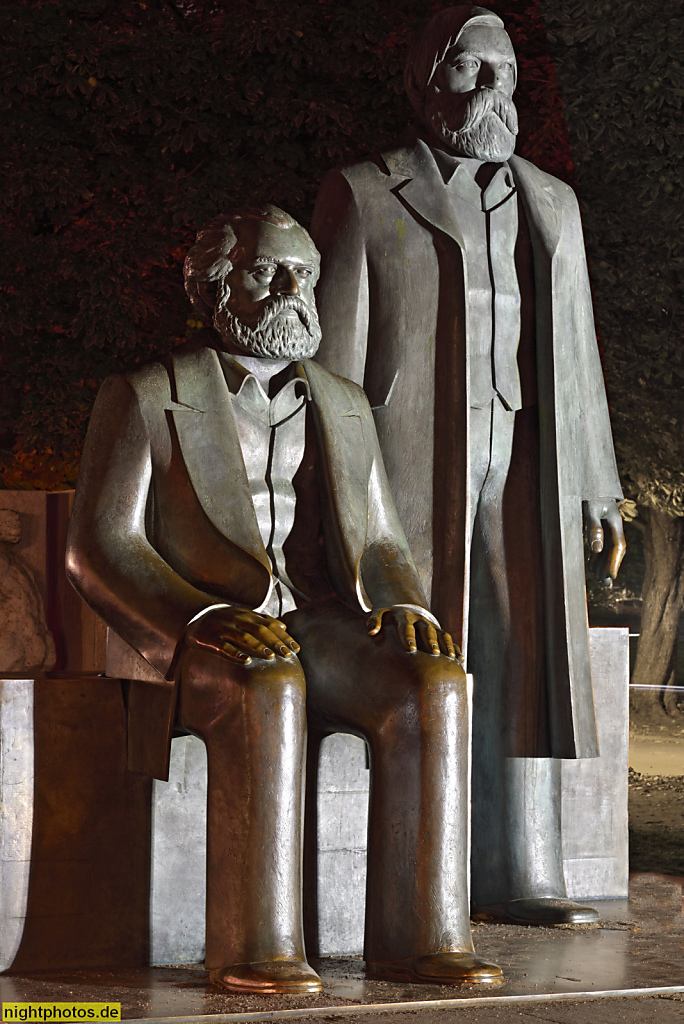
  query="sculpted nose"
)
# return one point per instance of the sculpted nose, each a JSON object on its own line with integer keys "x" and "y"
{"x": 286, "y": 282}
{"x": 490, "y": 77}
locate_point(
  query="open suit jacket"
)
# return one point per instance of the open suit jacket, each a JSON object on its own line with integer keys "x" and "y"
{"x": 391, "y": 300}
{"x": 163, "y": 524}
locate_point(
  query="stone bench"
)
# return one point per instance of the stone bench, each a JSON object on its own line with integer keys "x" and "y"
{"x": 100, "y": 866}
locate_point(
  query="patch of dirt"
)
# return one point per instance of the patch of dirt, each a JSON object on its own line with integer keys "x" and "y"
{"x": 657, "y": 724}
{"x": 656, "y": 823}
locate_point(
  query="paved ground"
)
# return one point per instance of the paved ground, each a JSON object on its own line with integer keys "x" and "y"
{"x": 656, "y": 823}
{"x": 644, "y": 1010}
{"x": 640, "y": 944}
{"x": 652, "y": 756}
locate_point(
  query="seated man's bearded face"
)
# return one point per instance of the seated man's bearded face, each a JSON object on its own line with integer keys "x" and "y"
{"x": 265, "y": 306}
{"x": 468, "y": 102}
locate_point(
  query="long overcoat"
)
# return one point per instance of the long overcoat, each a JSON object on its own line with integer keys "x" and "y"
{"x": 391, "y": 300}
{"x": 163, "y": 524}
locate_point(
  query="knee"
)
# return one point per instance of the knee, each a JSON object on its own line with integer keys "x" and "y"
{"x": 423, "y": 695}
{"x": 426, "y": 674}
{"x": 212, "y": 689}
{"x": 434, "y": 690}
{"x": 280, "y": 676}
{"x": 271, "y": 688}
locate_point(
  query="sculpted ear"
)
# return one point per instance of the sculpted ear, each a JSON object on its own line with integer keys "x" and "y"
{"x": 208, "y": 291}
{"x": 203, "y": 295}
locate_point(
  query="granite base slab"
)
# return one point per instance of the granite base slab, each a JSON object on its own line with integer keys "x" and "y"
{"x": 639, "y": 945}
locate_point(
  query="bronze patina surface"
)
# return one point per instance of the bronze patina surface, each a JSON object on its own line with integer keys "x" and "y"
{"x": 233, "y": 523}
{"x": 455, "y": 290}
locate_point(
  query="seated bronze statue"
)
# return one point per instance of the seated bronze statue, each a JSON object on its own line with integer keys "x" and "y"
{"x": 233, "y": 523}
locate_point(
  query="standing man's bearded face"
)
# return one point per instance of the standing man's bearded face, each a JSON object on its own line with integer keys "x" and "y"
{"x": 265, "y": 306}
{"x": 468, "y": 102}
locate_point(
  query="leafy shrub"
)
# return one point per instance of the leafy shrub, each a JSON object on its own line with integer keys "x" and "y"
{"x": 128, "y": 125}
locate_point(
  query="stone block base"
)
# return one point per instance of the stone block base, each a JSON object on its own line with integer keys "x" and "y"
{"x": 594, "y": 794}
{"x": 74, "y": 828}
{"x": 100, "y": 866}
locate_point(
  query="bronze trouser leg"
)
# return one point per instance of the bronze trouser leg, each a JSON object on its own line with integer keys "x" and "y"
{"x": 516, "y": 800}
{"x": 253, "y": 722}
{"x": 412, "y": 711}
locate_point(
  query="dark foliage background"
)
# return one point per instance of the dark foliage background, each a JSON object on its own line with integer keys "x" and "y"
{"x": 620, "y": 67}
{"x": 619, "y": 63}
{"x": 128, "y": 124}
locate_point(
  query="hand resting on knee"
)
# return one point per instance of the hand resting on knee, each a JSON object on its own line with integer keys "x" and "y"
{"x": 415, "y": 631}
{"x": 238, "y": 634}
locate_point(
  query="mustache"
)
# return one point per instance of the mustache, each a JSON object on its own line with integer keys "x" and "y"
{"x": 484, "y": 102}
{"x": 274, "y": 307}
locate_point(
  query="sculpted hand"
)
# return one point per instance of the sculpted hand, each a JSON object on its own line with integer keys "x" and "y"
{"x": 240, "y": 634}
{"x": 414, "y": 631}
{"x": 607, "y": 552}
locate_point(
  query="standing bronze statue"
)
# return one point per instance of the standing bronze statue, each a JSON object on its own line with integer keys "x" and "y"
{"x": 233, "y": 523}
{"x": 455, "y": 290}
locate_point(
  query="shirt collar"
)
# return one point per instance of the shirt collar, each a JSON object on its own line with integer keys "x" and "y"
{"x": 250, "y": 395}
{"x": 457, "y": 177}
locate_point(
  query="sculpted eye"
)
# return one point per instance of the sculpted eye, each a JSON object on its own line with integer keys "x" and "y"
{"x": 264, "y": 272}
{"x": 304, "y": 272}
{"x": 465, "y": 64}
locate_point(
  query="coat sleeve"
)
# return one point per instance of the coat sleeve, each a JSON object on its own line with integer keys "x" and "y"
{"x": 342, "y": 293}
{"x": 110, "y": 560}
{"x": 599, "y": 474}
{"x": 387, "y": 570}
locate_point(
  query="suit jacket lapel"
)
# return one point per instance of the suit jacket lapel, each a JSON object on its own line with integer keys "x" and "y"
{"x": 205, "y": 425}
{"x": 343, "y": 451}
{"x": 422, "y": 188}
{"x": 208, "y": 439}
{"x": 541, "y": 205}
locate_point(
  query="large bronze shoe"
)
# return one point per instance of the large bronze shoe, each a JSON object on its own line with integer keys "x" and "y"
{"x": 456, "y": 968}
{"x": 542, "y": 910}
{"x": 289, "y": 977}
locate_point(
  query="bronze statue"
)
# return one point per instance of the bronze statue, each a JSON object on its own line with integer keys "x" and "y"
{"x": 233, "y": 523}
{"x": 455, "y": 290}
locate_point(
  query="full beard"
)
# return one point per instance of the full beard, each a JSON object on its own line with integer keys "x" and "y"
{"x": 484, "y": 127}
{"x": 273, "y": 336}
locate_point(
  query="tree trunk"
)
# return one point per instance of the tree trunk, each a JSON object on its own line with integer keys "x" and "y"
{"x": 662, "y": 598}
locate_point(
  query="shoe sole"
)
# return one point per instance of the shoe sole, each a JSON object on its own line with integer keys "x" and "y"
{"x": 390, "y": 972}
{"x": 302, "y": 988}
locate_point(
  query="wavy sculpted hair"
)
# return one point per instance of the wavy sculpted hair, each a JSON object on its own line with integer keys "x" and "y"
{"x": 211, "y": 257}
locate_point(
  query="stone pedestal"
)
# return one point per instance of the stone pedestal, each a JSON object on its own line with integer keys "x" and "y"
{"x": 16, "y": 811}
{"x": 68, "y": 802}
{"x": 343, "y": 787}
{"x": 594, "y": 794}
{"x": 179, "y": 861}
{"x": 116, "y": 872}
